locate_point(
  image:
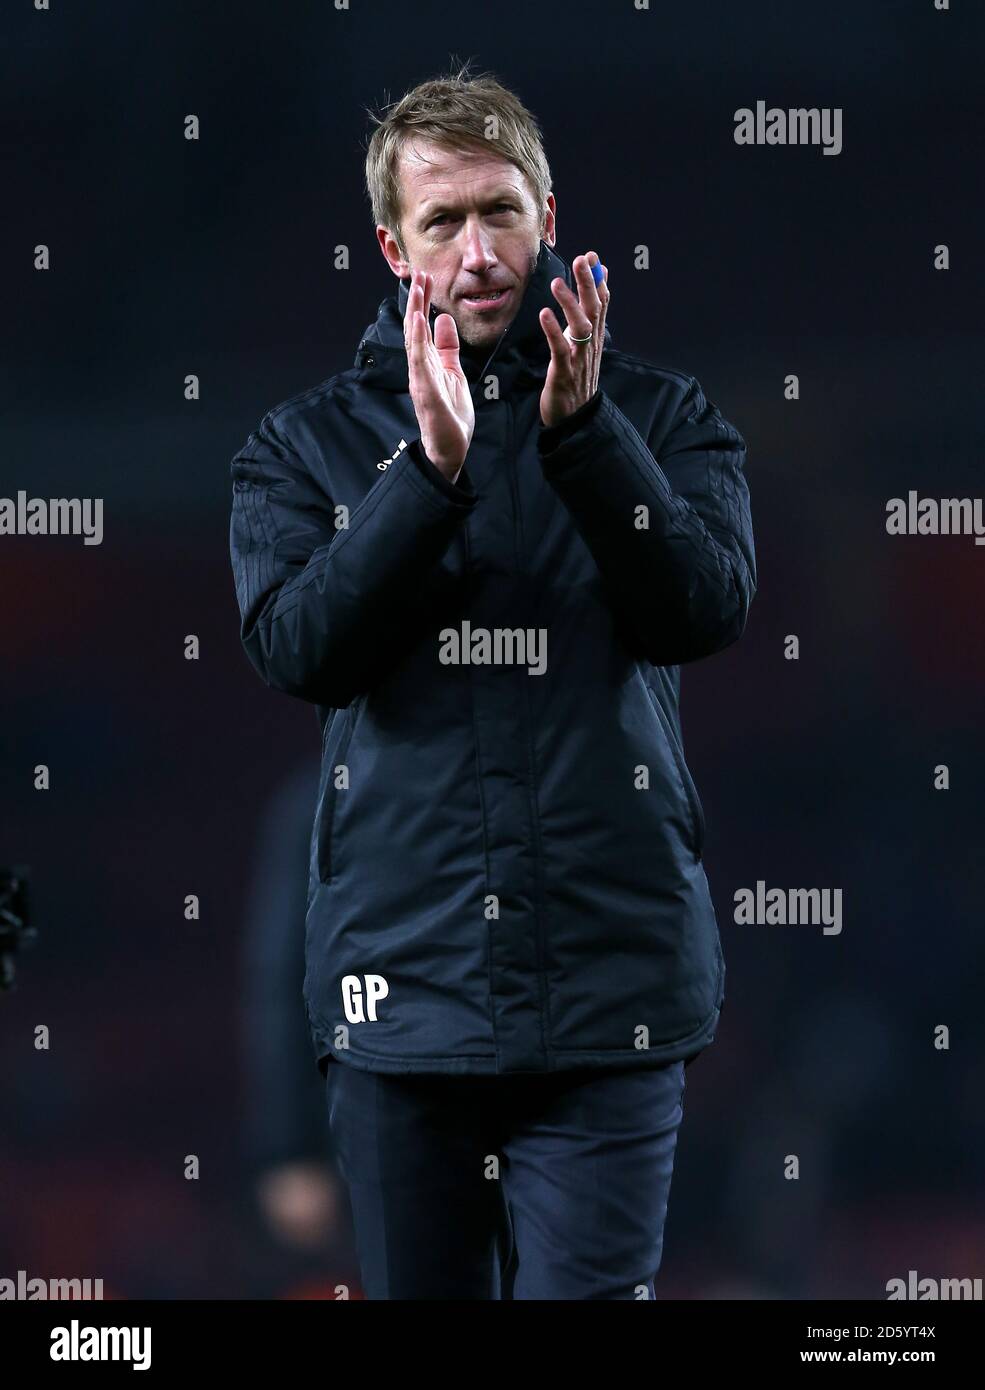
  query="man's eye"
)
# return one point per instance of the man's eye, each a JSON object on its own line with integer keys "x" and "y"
{"x": 497, "y": 210}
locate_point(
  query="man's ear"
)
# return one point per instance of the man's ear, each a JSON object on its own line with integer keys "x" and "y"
{"x": 393, "y": 253}
{"x": 550, "y": 212}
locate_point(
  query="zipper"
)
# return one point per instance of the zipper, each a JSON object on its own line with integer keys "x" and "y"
{"x": 538, "y": 857}
{"x": 477, "y": 385}
{"x": 326, "y": 807}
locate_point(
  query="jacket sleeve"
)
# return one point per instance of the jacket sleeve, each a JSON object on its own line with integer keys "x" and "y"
{"x": 323, "y": 610}
{"x": 681, "y": 584}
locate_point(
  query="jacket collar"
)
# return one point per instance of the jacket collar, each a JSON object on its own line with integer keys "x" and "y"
{"x": 521, "y": 353}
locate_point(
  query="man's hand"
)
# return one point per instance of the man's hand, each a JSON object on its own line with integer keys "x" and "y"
{"x": 438, "y": 386}
{"x": 573, "y": 375}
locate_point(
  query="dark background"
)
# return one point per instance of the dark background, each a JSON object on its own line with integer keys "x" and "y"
{"x": 215, "y": 257}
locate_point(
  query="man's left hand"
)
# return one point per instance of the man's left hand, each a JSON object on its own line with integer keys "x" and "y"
{"x": 573, "y": 374}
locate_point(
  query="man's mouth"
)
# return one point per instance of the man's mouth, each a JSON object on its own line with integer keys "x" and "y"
{"x": 490, "y": 299}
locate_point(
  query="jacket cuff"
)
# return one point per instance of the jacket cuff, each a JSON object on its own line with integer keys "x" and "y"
{"x": 552, "y": 435}
{"x": 462, "y": 491}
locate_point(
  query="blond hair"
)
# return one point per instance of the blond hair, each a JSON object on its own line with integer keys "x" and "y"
{"x": 453, "y": 112}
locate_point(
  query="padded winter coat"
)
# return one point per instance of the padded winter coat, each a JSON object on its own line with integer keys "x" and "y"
{"x": 506, "y": 858}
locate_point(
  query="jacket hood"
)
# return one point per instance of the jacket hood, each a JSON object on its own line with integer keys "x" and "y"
{"x": 522, "y": 351}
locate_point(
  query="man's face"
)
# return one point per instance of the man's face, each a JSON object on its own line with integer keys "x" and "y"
{"x": 471, "y": 222}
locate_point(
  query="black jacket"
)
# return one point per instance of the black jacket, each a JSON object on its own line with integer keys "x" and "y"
{"x": 505, "y": 870}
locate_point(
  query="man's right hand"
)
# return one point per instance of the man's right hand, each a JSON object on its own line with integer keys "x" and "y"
{"x": 438, "y": 386}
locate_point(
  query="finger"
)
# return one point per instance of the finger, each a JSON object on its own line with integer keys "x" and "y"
{"x": 411, "y": 309}
{"x": 585, "y": 280}
{"x": 602, "y": 288}
{"x": 425, "y": 285}
{"x": 578, "y": 321}
{"x": 416, "y": 309}
{"x": 417, "y": 347}
{"x": 411, "y": 292}
{"x": 409, "y": 335}
{"x": 446, "y": 340}
{"x": 416, "y": 301}
{"x": 558, "y": 343}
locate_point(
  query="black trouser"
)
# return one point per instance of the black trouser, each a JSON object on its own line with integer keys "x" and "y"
{"x": 533, "y": 1186}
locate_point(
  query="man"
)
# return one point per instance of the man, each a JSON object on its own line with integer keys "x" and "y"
{"x": 483, "y": 552}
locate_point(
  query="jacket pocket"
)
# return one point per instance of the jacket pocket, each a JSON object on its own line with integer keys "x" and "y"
{"x": 695, "y": 809}
{"x": 338, "y": 736}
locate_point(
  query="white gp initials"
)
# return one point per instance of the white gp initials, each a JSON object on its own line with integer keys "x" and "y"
{"x": 355, "y": 995}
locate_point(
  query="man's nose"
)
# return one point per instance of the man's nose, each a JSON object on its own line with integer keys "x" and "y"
{"x": 477, "y": 253}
